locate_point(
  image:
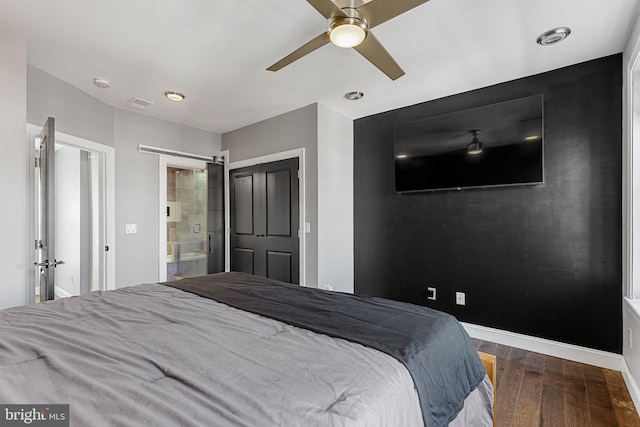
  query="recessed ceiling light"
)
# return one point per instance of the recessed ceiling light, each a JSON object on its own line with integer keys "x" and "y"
{"x": 102, "y": 83}
{"x": 354, "y": 95}
{"x": 174, "y": 96}
{"x": 553, "y": 36}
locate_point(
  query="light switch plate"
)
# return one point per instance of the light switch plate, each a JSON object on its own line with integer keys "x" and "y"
{"x": 131, "y": 228}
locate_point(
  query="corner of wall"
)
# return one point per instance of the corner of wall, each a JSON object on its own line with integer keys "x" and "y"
{"x": 13, "y": 163}
{"x": 335, "y": 201}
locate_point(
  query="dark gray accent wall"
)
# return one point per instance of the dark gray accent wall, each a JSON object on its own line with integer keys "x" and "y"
{"x": 544, "y": 260}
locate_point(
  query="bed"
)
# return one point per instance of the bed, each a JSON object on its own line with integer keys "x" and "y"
{"x": 232, "y": 349}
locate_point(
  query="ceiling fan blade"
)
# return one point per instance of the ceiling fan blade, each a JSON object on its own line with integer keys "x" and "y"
{"x": 327, "y": 8}
{"x": 373, "y": 50}
{"x": 306, "y": 48}
{"x": 379, "y": 11}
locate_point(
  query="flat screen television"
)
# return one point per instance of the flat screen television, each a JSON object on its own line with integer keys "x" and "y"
{"x": 494, "y": 145}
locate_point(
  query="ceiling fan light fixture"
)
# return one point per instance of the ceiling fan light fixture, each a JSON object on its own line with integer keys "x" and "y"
{"x": 347, "y": 31}
{"x": 475, "y": 147}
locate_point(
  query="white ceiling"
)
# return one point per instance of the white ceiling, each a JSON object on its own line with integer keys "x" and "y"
{"x": 216, "y": 52}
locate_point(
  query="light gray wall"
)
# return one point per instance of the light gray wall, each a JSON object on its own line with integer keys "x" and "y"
{"x": 295, "y": 129}
{"x": 137, "y": 188}
{"x": 76, "y": 112}
{"x": 79, "y": 114}
{"x": 335, "y": 200}
{"x": 13, "y": 170}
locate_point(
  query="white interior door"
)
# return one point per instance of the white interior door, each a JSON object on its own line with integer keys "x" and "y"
{"x": 46, "y": 262}
{"x": 73, "y": 215}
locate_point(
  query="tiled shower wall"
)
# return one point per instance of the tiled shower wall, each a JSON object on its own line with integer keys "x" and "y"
{"x": 186, "y": 221}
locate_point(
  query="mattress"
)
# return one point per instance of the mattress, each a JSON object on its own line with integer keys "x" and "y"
{"x": 155, "y": 355}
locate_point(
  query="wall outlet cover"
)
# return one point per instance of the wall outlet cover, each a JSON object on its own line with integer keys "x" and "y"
{"x": 131, "y": 228}
{"x": 460, "y": 298}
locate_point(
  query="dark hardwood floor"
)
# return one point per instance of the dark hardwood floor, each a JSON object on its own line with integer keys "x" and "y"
{"x": 538, "y": 390}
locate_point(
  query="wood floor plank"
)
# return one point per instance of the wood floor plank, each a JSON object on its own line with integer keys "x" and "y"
{"x": 576, "y": 403}
{"x": 538, "y": 390}
{"x": 625, "y": 411}
{"x": 600, "y": 406}
{"x": 553, "y": 393}
{"x": 509, "y": 388}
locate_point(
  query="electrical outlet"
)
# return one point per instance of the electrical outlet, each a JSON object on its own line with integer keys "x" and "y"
{"x": 431, "y": 293}
{"x": 460, "y": 298}
{"x": 131, "y": 228}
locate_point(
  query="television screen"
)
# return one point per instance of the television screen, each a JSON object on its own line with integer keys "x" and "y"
{"x": 494, "y": 145}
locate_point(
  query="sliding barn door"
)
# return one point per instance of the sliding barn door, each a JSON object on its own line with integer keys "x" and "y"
{"x": 264, "y": 220}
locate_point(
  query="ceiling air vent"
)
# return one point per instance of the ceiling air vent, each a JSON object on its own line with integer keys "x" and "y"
{"x": 138, "y": 103}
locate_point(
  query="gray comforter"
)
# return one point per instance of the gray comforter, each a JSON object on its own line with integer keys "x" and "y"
{"x": 433, "y": 345}
{"x": 152, "y": 355}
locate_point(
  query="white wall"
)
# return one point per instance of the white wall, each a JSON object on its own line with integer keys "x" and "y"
{"x": 13, "y": 166}
{"x": 68, "y": 222}
{"x": 335, "y": 200}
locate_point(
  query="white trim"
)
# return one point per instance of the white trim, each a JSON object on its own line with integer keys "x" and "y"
{"x": 110, "y": 197}
{"x": 227, "y": 212}
{"x": 284, "y": 155}
{"x": 163, "y": 162}
{"x": 631, "y": 59}
{"x": 61, "y": 293}
{"x": 576, "y": 353}
{"x": 631, "y": 384}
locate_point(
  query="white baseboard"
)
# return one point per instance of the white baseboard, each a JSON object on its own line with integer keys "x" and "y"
{"x": 576, "y": 353}
{"x": 632, "y": 385}
{"x": 61, "y": 293}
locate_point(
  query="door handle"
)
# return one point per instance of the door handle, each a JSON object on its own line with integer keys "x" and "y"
{"x": 47, "y": 264}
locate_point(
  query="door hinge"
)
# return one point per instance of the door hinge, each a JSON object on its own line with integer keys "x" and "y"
{"x": 38, "y": 244}
{"x": 106, "y": 248}
{"x": 37, "y": 162}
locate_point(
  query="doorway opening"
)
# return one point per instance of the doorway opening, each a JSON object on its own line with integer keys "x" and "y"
{"x": 187, "y": 244}
{"x": 83, "y": 229}
{"x": 192, "y": 231}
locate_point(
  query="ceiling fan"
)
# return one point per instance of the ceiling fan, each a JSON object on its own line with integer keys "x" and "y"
{"x": 350, "y": 22}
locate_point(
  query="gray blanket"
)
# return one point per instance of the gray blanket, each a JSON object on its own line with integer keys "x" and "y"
{"x": 153, "y": 355}
{"x": 432, "y": 345}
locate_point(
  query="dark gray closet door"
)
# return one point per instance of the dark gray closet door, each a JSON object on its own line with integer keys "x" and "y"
{"x": 264, "y": 220}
